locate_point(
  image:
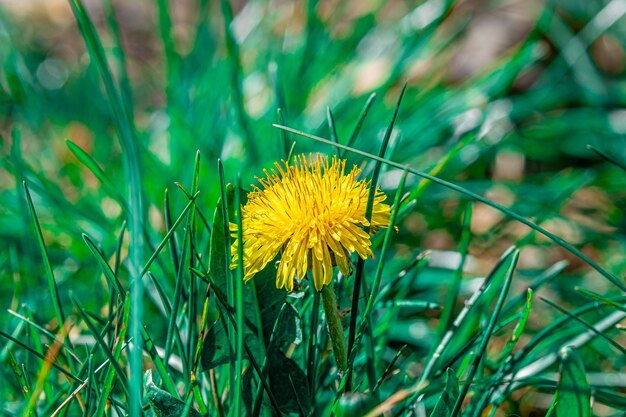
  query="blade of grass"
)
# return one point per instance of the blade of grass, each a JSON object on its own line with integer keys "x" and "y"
{"x": 377, "y": 279}
{"x": 118, "y": 252}
{"x": 193, "y": 287}
{"x": 607, "y": 157}
{"x": 556, "y": 239}
{"x": 44, "y": 370}
{"x": 548, "y": 330}
{"x": 331, "y": 127}
{"x": 167, "y": 236}
{"x": 118, "y": 51}
{"x": 360, "y": 266}
{"x": 114, "y": 282}
{"x": 389, "y": 368}
{"x": 86, "y": 159}
{"x": 539, "y": 365}
{"x": 40, "y": 356}
{"x": 284, "y": 139}
{"x": 445, "y": 321}
{"x": 236, "y": 76}
{"x": 230, "y": 291}
{"x": 505, "y": 353}
{"x": 167, "y": 214}
{"x": 519, "y": 327}
{"x": 226, "y": 310}
{"x": 198, "y": 212}
{"x": 54, "y": 291}
{"x": 447, "y": 337}
{"x": 542, "y": 279}
{"x": 258, "y": 398}
{"x": 43, "y": 330}
{"x": 105, "y": 347}
{"x": 90, "y": 378}
{"x": 602, "y": 299}
{"x": 172, "y": 328}
{"x": 87, "y": 383}
{"x": 573, "y": 393}
{"x": 359, "y": 124}
{"x": 126, "y": 132}
{"x": 239, "y": 301}
{"x": 312, "y": 351}
{"x": 486, "y": 335}
{"x": 125, "y": 129}
{"x": 168, "y": 311}
{"x": 113, "y": 357}
{"x": 584, "y": 323}
{"x": 159, "y": 364}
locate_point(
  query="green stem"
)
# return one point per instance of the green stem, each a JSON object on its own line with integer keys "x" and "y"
{"x": 335, "y": 329}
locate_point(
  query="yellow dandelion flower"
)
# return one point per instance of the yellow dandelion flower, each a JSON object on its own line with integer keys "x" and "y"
{"x": 313, "y": 213}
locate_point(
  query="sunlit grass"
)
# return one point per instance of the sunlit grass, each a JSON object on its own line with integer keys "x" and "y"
{"x": 131, "y": 134}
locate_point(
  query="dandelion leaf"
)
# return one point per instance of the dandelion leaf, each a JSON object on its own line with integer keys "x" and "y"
{"x": 288, "y": 383}
{"x": 445, "y": 403}
{"x": 164, "y": 404}
{"x": 215, "y": 346}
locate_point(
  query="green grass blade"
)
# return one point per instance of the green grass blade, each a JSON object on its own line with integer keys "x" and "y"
{"x": 226, "y": 311}
{"x": 167, "y": 236}
{"x": 445, "y": 321}
{"x": 118, "y": 51}
{"x": 39, "y": 355}
{"x": 167, "y": 214}
{"x": 519, "y": 327}
{"x": 545, "y": 361}
{"x": 587, "y": 325}
{"x": 573, "y": 389}
{"x": 607, "y": 157}
{"x": 312, "y": 352}
{"x": 330, "y": 119}
{"x": 505, "y": 354}
{"x": 89, "y": 386}
{"x": 239, "y": 301}
{"x": 158, "y": 363}
{"x": 236, "y": 81}
{"x": 445, "y": 403}
{"x": 602, "y": 299}
{"x": 52, "y": 285}
{"x": 360, "y": 266}
{"x": 192, "y": 333}
{"x": 126, "y": 132}
{"x": 377, "y": 279}
{"x": 552, "y": 327}
{"x": 359, "y": 125}
{"x": 486, "y": 334}
{"x": 114, "y": 282}
{"x": 69, "y": 349}
{"x": 542, "y": 279}
{"x": 118, "y": 251}
{"x": 95, "y": 169}
{"x": 168, "y": 314}
{"x": 105, "y": 347}
{"x": 178, "y": 296}
{"x": 447, "y": 337}
{"x": 556, "y": 239}
{"x": 284, "y": 138}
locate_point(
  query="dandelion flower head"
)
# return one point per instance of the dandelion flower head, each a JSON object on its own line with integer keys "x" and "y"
{"x": 313, "y": 213}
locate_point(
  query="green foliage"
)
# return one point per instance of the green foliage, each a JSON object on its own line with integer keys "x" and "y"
{"x": 449, "y": 396}
{"x": 123, "y": 127}
{"x": 164, "y": 404}
{"x": 572, "y": 392}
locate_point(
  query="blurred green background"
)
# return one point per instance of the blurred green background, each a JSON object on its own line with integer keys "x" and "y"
{"x": 503, "y": 98}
